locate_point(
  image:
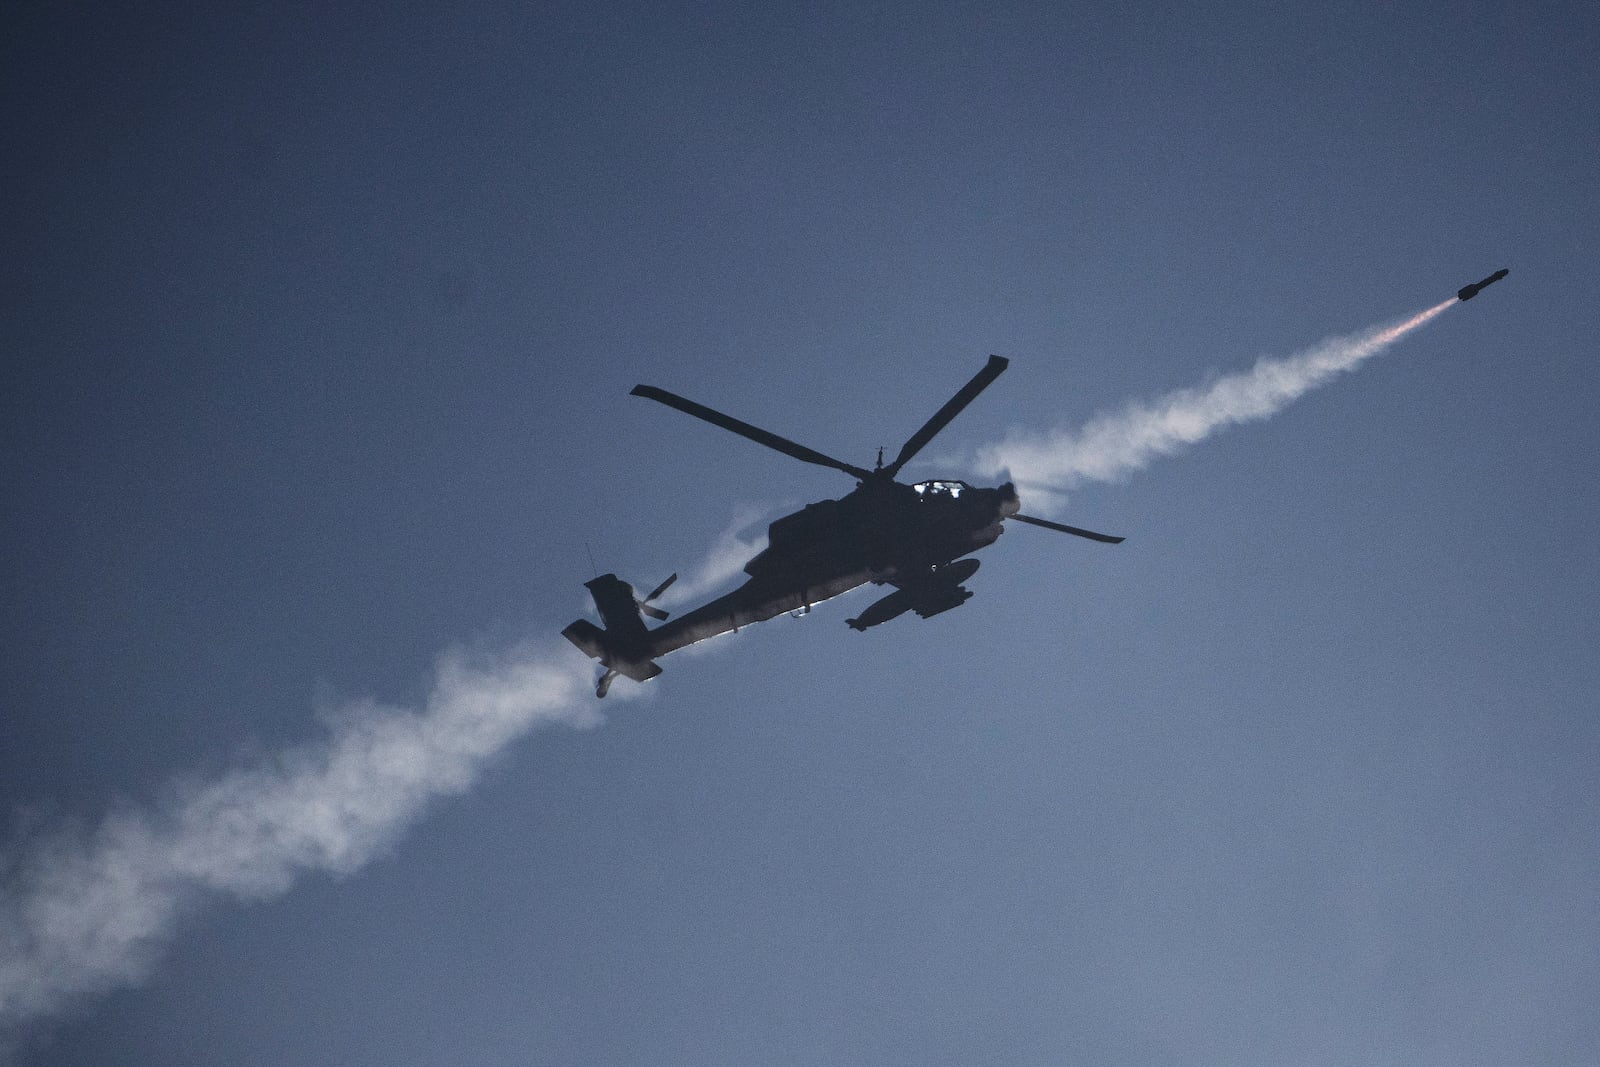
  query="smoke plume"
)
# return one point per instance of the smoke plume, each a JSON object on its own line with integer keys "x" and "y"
{"x": 1112, "y": 446}
{"x": 84, "y": 912}
{"x": 740, "y": 540}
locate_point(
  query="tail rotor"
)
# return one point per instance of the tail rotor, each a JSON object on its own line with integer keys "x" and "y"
{"x": 650, "y": 609}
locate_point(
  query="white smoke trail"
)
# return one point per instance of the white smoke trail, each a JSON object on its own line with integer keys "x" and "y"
{"x": 82, "y": 913}
{"x": 733, "y": 548}
{"x": 1114, "y": 445}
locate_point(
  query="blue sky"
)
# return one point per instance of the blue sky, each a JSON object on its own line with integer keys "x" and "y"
{"x": 318, "y": 332}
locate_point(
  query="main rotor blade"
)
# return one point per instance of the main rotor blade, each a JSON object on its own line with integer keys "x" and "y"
{"x": 744, "y": 429}
{"x": 1063, "y": 528}
{"x": 941, "y": 418}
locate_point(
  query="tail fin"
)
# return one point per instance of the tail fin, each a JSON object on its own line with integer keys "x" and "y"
{"x": 618, "y": 608}
{"x": 623, "y": 647}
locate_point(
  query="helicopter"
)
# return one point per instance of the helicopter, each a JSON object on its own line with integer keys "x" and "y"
{"x": 884, "y": 532}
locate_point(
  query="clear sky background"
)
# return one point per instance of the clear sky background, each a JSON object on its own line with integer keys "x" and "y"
{"x": 316, "y": 336}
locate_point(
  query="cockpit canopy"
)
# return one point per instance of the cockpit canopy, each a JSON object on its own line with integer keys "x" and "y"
{"x": 941, "y": 488}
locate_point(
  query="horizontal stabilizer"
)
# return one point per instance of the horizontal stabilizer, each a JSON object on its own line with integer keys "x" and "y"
{"x": 589, "y": 638}
{"x": 639, "y": 672}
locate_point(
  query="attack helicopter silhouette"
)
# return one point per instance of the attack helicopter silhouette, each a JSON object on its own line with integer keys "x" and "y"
{"x": 884, "y": 532}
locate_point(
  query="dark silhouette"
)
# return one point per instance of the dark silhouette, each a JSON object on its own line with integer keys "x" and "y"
{"x": 1467, "y": 292}
{"x": 885, "y": 532}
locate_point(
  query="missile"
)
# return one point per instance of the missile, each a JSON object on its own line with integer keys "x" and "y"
{"x": 1467, "y": 292}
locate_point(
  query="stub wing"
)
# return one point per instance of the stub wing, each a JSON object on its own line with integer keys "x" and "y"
{"x": 928, "y": 594}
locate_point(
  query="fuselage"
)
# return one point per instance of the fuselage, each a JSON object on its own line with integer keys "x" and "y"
{"x": 883, "y": 531}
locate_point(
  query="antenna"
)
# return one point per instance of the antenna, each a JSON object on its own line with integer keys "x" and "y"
{"x": 593, "y": 566}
